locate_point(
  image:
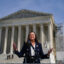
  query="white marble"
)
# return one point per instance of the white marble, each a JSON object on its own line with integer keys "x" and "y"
{"x": 12, "y": 40}
{"x": 5, "y": 41}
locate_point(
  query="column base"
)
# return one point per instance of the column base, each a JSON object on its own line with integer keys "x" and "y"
{"x": 4, "y": 53}
{"x": 52, "y": 59}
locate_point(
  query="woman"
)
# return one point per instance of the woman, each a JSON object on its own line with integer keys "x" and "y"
{"x": 31, "y": 50}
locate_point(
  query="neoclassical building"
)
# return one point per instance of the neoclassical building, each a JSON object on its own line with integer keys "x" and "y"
{"x": 15, "y": 28}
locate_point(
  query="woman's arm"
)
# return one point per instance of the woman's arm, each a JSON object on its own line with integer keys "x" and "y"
{"x": 21, "y": 53}
{"x": 42, "y": 55}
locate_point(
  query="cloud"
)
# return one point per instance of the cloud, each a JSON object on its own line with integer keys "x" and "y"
{"x": 50, "y": 6}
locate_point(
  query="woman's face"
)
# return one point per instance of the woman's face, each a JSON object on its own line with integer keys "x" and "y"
{"x": 32, "y": 36}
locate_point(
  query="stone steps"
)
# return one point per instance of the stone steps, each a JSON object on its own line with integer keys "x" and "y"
{"x": 3, "y": 59}
{"x": 16, "y": 59}
{"x": 20, "y": 60}
{"x": 45, "y": 61}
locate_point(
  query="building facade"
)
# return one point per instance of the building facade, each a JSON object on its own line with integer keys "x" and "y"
{"x": 16, "y": 27}
{"x": 60, "y": 43}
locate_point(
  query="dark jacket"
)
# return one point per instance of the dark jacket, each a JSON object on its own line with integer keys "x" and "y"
{"x": 26, "y": 53}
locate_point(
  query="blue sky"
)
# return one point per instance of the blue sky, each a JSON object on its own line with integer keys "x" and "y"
{"x": 55, "y": 7}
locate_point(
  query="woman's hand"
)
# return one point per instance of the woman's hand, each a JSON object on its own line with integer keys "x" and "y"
{"x": 14, "y": 47}
{"x": 50, "y": 51}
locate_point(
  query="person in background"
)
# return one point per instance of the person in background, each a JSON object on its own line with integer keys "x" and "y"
{"x": 31, "y": 50}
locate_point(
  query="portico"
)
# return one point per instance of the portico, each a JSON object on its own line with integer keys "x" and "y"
{"x": 17, "y": 30}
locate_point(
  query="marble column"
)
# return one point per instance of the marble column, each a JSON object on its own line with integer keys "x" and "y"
{"x": 27, "y": 32}
{"x": 0, "y": 33}
{"x": 5, "y": 41}
{"x": 63, "y": 37}
{"x": 50, "y": 27}
{"x": 42, "y": 38}
{"x": 12, "y": 40}
{"x": 19, "y": 37}
{"x": 34, "y": 28}
{"x": 0, "y": 36}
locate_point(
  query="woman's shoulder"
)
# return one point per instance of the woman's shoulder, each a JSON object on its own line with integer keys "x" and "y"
{"x": 26, "y": 44}
{"x": 39, "y": 43}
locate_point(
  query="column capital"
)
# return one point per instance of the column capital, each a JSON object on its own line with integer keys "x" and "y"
{"x": 26, "y": 25}
{"x": 19, "y": 25}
